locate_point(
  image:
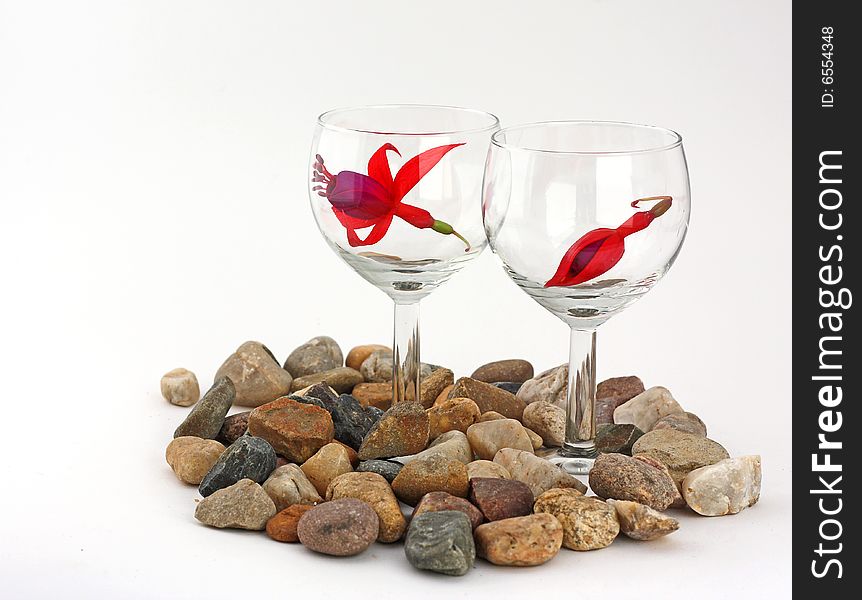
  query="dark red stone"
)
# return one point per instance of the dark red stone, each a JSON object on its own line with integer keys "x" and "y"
{"x": 501, "y": 498}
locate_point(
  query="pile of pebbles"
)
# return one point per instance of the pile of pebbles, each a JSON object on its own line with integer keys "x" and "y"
{"x": 325, "y": 459}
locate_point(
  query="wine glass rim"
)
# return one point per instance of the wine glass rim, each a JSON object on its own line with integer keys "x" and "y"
{"x": 676, "y": 138}
{"x": 323, "y": 120}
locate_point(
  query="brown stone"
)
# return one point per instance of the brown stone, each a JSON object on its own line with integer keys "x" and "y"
{"x": 489, "y": 397}
{"x": 443, "y": 395}
{"x": 243, "y": 505}
{"x": 501, "y": 498}
{"x": 588, "y": 523}
{"x": 295, "y": 430}
{"x": 378, "y": 395}
{"x": 535, "y": 439}
{"x": 288, "y": 485}
{"x": 687, "y": 422}
{"x": 491, "y": 415}
{"x": 520, "y": 541}
{"x": 433, "y": 474}
{"x": 437, "y": 501}
{"x": 624, "y": 387}
{"x": 256, "y": 375}
{"x": 402, "y": 430}
{"x": 513, "y": 369}
{"x": 328, "y": 463}
{"x": 282, "y": 527}
{"x": 488, "y": 438}
{"x": 605, "y": 408}
{"x": 640, "y": 522}
{"x": 547, "y": 420}
{"x": 486, "y": 468}
{"x": 351, "y": 453}
{"x": 358, "y": 354}
{"x": 682, "y": 452}
{"x": 343, "y": 527}
{"x": 341, "y": 379}
{"x": 431, "y": 386}
{"x": 376, "y": 491}
{"x": 454, "y": 414}
{"x": 234, "y": 427}
{"x": 622, "y": 477}
{"x": 192, "y": 457}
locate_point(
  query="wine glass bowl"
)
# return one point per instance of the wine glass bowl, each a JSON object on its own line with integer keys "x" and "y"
{"x": 587, "y": 217}
{"x": 395, "y": 191}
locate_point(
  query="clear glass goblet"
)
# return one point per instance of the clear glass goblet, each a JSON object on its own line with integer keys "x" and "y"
{"x": 586, "y": 216}
{"x": 395, "y": 190}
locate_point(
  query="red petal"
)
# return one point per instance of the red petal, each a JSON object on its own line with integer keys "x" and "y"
{"x": 375, "y": 236}
{"x": 353, "y": 222}
{"x": 418, "y": 217}
{"x": 416, "y": 168}
{"x": 580, "y": 255}
{"x": 607, "y": 255}
{"x": 378, "y": 165}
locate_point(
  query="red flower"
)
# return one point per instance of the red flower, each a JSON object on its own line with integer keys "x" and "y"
{"x": 600, "y": 249}
{"x": 373, "y": 200}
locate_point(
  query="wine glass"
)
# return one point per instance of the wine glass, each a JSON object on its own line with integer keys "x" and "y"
{"x": 586, "y": 216}
{"x": 395, "y": 190}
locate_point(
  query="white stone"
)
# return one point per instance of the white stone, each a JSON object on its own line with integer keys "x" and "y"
{"x": 487, "y": 438}
{"x": 180, "y": 387}
{"x": 539, "y": 474}
{"x": 548, "y": 386}
{"x": 288, "y": 485}
{"x": 724, "y": 488}
{"x": 452, "y": 444}
{"x": 644, "y": 410}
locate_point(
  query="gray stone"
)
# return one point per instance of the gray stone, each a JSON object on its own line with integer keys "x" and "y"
{"x": 247, "y": 458}
{"x": 243, "y": 505}
{"x": 206, "y": 418}
{"x": 341, "y": 379}
{"x": 387, "y": 468}
{"x": 617, "y": 438}
{"x": 318, "y": 354}
{"x": 624, "y": 478}
{"x": 377, "y": 368}
{"x": 687, "y": 422}
{"x": 441, "y": 542}
{"x": 256, "y": 374}
{"x": 681, "y": 452}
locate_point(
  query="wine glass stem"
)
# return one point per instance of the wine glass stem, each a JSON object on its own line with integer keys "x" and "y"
{"x": 581, "y": 395}
{"x": 405, "y": 348}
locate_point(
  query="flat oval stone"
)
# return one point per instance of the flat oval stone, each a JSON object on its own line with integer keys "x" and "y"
{"x": 376, "y": 491}
{"x": 328, "y": 463}
{"x": 243, "y": 505}
{"x": 402, "y": 430}
{"x": 687, "y": 422}
{"x": 247, "y": 458}
{"x": 387, "y": 468}
{"x": 433, "y": 474}
{"x": 487, "y": 438}
{"x": 548, "y": 386}
{"x": 318, "y": 354}
{"x": 489, "y": 397}
{"x": 547, "y": 420}
{"x": 377, "y": 368}
{"x": 437, "y": 501}
{"x": 282, "y": 527}
{"x": 191, "y": 458}
{"x": 486, "y": 468}
{"x": 588, "y": 523}
{"x": 341, "y": 379}
{"x": 233, "y": 428}
{"x": 441, "y": 542}
{"x": 256, "y": 374}
{"x": 681, "y": 452}
{"x": 640, "y": 522}
{"x": 296, "y": 430}
{"x": 520, "y": 541}
{"x": 180, "y": 387}
{"x": 205, "y": 419}
{"x": 624, "y": 388}
{"x": 513, "y": 369}
{"x": 342, "y": 527}
{"x": 645, "y": 409}
{"x": 724, "y": 488}
{"x": 288, "y": 485}
{"x": 501, "y": 498}
{"x": 624, "y": 478}
{"x": 455, "y": 414}
{"x": 536, "y": 472}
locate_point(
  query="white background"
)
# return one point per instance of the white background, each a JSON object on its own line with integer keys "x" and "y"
{"x": 153, "y": 165}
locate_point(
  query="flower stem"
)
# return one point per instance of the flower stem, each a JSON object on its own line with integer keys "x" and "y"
{"x": 446, "y": 229}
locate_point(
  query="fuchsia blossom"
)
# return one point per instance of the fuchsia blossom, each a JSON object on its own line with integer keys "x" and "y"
{"x": 373, "y": 200}
{"x": 597, "y": 251}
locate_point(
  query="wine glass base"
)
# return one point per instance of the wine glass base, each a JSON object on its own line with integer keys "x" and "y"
{"x": 573, "y": 459}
